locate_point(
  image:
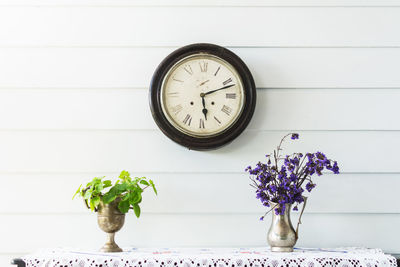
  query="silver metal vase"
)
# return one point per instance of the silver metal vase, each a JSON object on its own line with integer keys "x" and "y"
{"x": 281, "y": 235}
{"x": 110, "y": 220}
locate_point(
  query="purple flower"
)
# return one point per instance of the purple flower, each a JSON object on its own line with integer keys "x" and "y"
{"x": 286, "y": 161}
{"x": 266, "y": 204}
{"x": 335, "y": 168}
{"x": 310, "y": 186}
{"x": 294, "y": 136}
{"x": 273, "y": 189}
{"x": 293, "y": 177}
{"x": 320, "y": 155}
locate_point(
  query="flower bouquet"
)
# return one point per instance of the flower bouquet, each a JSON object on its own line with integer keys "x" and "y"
{"x": 281, "y": 182}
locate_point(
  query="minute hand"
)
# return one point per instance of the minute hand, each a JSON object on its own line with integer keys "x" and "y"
{"x": 222, "y": 88}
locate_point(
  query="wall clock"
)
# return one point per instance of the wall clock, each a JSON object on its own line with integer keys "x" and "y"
{"x": 202, "y": 96}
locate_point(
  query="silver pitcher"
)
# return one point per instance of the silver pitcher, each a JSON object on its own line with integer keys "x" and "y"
{"x": 281, "y": 235}
{"x": 110, "y": 220}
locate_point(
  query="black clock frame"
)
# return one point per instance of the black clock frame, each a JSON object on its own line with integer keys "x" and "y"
{"x": 202, "y": 143}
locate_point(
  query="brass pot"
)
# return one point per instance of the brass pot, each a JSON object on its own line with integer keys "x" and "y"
{"x": 110, "y": 220}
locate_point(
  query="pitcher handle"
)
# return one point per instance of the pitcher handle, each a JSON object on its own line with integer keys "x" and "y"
{"x": 301, "y": 214}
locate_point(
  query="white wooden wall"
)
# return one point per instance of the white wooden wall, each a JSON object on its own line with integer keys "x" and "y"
{"x": 74, "y": 76}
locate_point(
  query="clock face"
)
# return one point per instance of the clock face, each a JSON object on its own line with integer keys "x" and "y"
{"x": 202, "y": 95}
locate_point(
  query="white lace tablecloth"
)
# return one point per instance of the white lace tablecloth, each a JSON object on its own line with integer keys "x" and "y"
{"x": 211, "y": 257}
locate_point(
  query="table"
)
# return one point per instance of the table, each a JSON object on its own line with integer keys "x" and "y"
{"x": 210, "y": 257}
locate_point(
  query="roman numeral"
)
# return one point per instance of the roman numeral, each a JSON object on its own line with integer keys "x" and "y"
{"x": 176, "y": 109}
{"x": 227, "y": 110}
{"x": 215, "y": 74}
{"x": 201, "y": 124}
{"x": 231, "y": 95}
{"x": 173, "y": 94}
{"x": 188, "y": 69}
{"x": 215, "y": 118}
{"x": 177, "y": 80}
{"x": 187, "y": 119}
{"x": 203, "y": 66}
{"x": 227, "y": 81}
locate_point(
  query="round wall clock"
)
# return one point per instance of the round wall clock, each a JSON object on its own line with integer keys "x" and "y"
{"x": 202, "y": 96}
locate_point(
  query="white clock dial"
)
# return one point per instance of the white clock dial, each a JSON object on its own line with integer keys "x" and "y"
{"x": 202, "y": 95}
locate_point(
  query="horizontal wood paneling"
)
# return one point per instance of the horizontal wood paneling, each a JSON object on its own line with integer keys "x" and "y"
{"x": 73, "y": 104}
{"x": 75, "y": 109}
{"x": 106, "y": 151}
{"x": 81, "y": 231}
{"x": 227, "y": 193}
{"x": 134, "y": 67}
{"x": 200, "y": 3}
{"x": 174, "y": 26}
{"x": 327, "y": 109}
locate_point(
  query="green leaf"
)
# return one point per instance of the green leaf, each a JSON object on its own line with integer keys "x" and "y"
{"x": 135, "y": 197}
{"x": 88, "y": 193}
{"x": 124, "y": 174}
{"x": 133, "y": 187}
{"x": 109, "y": 197}
{"x": 96, "y": 180}
{"x": 126, "y": 197}
{"x": 123, "y": 206}
{"x": 144, "y": 182}
{"x": 120, "y": 188}
{"x": 99, "y": 188}
{"x": 136, "y": 209}
{"x": 153, "y": 186}
{"x": 91, "y": 204}
{"x": 77, "y": 191}
{"x": 140, "y": 190}
{"x": 96, "y": 201}
{"x": 107, "y": 183}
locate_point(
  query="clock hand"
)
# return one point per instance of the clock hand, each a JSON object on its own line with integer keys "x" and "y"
{"x": 202, "y": 95}
{"x": 204, "y": 107}
{"x": 204, "y": 82}
{"x": 225, "y": 87}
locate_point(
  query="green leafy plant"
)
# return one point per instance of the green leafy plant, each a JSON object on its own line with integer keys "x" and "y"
{"x": 127, "y": 190}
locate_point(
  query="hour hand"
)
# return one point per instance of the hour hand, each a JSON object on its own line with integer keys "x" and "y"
{"x": 222, "y": 88}
{"x": 205, "y": 113}
{"x": 204, "y": 107}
